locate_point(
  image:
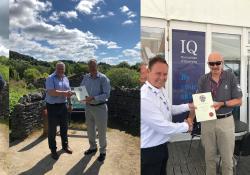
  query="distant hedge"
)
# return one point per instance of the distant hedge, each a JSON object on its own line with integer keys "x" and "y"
{"x": 123, "y": 77}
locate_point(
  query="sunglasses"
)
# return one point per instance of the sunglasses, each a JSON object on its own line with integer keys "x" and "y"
{"x": 217, "y": 63}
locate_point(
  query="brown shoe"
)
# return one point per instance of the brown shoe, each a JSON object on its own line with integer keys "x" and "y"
{"x": 68, "y": 150}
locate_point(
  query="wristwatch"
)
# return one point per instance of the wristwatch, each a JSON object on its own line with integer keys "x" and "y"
{"x": 225, "y": 103}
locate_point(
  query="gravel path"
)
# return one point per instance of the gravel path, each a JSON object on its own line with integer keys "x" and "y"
{"x": 32, "y": 156}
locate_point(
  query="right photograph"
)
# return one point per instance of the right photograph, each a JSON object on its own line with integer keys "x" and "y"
{"x": 195, "y": 79}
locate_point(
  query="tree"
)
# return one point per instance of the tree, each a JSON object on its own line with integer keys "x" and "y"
{"x": 31, "y": 74}
{"x": 123, "y": 64}
{"x": 123, "y": 77}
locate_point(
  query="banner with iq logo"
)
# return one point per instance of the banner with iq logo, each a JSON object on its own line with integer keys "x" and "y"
{"x": 188, "y": 55}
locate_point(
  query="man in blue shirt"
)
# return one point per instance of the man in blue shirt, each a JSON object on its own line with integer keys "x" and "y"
{"x": 57, "y": 95}
{"x": 98, "y": 88}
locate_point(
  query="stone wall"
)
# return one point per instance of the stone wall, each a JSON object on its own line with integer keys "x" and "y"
{"x": 27, "y": 115}
{"x": 124, "y": 110}
{"x": 4, "y": 102}
{"x": 123, "y": 106}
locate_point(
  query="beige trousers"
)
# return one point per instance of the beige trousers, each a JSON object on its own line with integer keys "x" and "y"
{"x": 97, "y": 116}
{"x": 218, "y": 135}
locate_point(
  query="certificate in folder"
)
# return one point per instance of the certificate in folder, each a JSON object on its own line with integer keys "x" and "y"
{"x": 80, "y": 92}
{"x": 203, "y": 103}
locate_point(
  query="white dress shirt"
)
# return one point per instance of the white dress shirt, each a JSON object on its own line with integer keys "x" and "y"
{"x": 156, "y": 116}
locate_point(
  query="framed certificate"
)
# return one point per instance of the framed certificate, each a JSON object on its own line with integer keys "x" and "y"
{"x": 80, "y": 92}
{"x": 203, "y": 103}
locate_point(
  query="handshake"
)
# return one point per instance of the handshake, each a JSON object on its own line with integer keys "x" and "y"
{"x": 190, "y": 122}
{"x": 68, "y": 94}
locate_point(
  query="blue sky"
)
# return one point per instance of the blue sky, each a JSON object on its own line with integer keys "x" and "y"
{"x": 108, "y": 30}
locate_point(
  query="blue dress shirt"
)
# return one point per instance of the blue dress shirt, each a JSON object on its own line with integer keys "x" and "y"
{"x": 54, "y": 82}
{"x": 98, "y": 87}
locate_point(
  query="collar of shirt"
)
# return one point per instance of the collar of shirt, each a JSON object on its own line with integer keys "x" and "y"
{"x": 98, "y": 75}
{"x": 55, "y": 75}
{"x": 153, "y": 89}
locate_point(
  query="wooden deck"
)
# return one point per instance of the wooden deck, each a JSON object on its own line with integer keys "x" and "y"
{"x": 180, "y": 163}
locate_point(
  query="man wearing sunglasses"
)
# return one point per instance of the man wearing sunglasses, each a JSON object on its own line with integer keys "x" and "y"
{"x": 219, "y": 134}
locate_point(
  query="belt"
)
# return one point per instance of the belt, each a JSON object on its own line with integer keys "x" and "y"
{"x": 98, "y": 104}
{"x": 56, "y": 104}
{"x": 220, "y": 116}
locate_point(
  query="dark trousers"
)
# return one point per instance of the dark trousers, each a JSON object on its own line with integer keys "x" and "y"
{"x": 154, "y": 160}
{"x": 57, "y": 115}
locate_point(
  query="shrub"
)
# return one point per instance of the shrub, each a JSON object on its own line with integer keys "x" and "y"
{"x": 123, "y": 77}
{"x": 31, "y": 74}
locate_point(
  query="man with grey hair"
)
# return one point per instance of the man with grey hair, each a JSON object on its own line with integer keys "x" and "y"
{"x": 98, "y": 88}
{"x": 57, "y": 97}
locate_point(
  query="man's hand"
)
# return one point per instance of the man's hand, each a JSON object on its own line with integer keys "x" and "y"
{"x": 191, "y": 106}
{"x": 88, "y": 100}
{"x": 68, "y": 94}
{"x": 217, "y": 105}
{"x": 190, "y": 124}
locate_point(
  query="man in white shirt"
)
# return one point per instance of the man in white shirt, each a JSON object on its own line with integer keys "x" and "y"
{"x": 156, "y": 119}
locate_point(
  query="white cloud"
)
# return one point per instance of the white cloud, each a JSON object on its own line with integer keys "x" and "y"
{"x": 131, "y": 53}
{"x": 124, "y": 9}
{"x": 62, "y": 43}
{"x": 102, "y": 53}
{"x": 4, "y": 51}
{"x": 128, "y": 22}
{"x": 128, "y": 12}
{"x": 104, "y": 16}
{"x": 112, "y": 45}
{"x": 138, "y": 45}
{"x": 110, "y": 60}
{"x": 111, "y": 13}
{"x": 87, "y": 6}
{"x": 69, "y": 14}
{"x": 56, "y": 15}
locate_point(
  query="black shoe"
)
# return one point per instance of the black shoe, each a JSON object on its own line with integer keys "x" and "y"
{"x": 68, "y": 150}
{"x": 54, "y": 155}
{"x": 90, "y": 151}
{"x": 101, "y": 157}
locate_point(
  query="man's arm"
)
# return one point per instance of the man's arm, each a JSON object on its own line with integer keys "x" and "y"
{"x": 106, "y": 90}
{"x": 54, "y": 92}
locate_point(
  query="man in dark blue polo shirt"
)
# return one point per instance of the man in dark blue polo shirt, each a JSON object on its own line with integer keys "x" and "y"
{"x": 57, "y": 95}
{"x": 219, "y": 134}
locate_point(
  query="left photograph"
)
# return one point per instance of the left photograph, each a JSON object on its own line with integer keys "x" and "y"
{"x": 70, "y": 84}
{"x": 4, "y": 85}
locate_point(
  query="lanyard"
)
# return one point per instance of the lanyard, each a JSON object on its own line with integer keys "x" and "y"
{"x": 215, "y": 86}
{"x": 165, "y": 102}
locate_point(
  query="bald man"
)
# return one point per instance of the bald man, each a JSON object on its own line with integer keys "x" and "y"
{"x": 219, "y": 134}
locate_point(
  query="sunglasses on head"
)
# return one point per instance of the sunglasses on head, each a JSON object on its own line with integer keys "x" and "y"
{"x": 215, "y": 63}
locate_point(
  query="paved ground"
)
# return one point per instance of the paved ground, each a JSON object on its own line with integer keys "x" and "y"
{"x": 4, "y": 143}
{"x": 32, "y": 156}
{"x": 180, "y": 163}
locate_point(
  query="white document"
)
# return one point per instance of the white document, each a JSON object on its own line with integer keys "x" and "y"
{"x": 80, "y": 92}
{"x": 203, "y": 103}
